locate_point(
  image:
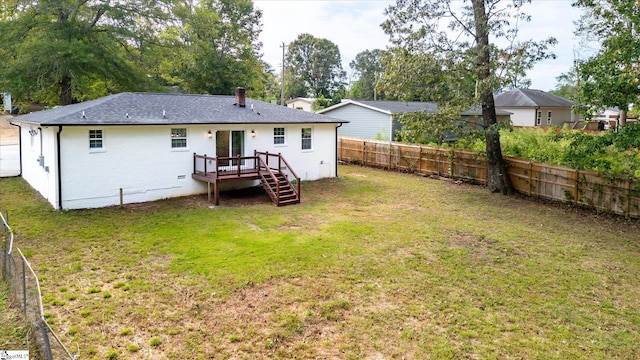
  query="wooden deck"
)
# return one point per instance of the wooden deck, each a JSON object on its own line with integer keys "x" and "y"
{"x": 273, "y": 171}
{"x": 226, "y": 175}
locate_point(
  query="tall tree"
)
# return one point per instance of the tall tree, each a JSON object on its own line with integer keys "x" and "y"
{"x": 419, "y": 75}
{"x": 416, "y": 27}
{"x": 368, "y": 67}
{"x": 313, "y": 68}
{"x": 612, "y": 76}
{"x": 60, "y": 51}
{"x": 220, "y": 47}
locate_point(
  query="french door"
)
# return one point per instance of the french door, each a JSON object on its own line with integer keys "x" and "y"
{"x": 229, "y": 144}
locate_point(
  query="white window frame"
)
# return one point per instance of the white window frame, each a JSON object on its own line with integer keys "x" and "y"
{"x": 309, "y": 139}
{"x": 277, "y": 136}
{"x": 539, "y": 117}
{"x": 548, "y": 117}
{"x": 179, "y": 140}
{"x": 96, "y": 140}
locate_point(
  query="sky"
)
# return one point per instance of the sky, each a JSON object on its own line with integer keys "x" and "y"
{"x": 354, "y": 26}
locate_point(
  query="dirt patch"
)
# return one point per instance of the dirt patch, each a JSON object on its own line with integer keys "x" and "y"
{"x": 8, "y": 132}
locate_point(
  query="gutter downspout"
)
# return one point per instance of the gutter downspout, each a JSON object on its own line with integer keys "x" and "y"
{"x": 59, "y": 167}
{"x": 19, "y": 146}
{"x": 337, "y": 148}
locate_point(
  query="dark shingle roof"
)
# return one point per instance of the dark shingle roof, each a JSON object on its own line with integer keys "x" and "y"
{"x": 390, "y": 107}
{"x": 476, "y": 110}
{"x": 530, "y": 98}
{"x": 164, "y": 109}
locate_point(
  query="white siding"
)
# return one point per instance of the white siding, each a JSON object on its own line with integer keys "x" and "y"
{"x": 316, "y": 163}
{"x": 363, "y": 123}
{"x": 41, "y": 175}
{"x": 528, "y": 116}
{"x": 300, "y": 105}
{"x": 522, "y": 116}
{"x": 140, "y": 161}
{"x": 559, "y": 116}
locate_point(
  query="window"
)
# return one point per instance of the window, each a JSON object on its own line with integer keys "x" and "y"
{"x": 278, "y": 136}
{"x": 178, "y": 138}
{"x": 539, "y": 118}
{"x": 306, "y": 138}
{"x": 549, "y": 118}
{"x": 95, "y": 139}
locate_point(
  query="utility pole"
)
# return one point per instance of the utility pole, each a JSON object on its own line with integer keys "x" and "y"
{"x": 282, "y": 85}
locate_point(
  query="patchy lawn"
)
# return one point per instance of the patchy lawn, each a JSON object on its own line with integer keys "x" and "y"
{"x": 371, "y": 265}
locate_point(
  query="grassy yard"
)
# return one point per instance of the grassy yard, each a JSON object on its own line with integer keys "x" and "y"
{"x": 372, "y": 265}
{"x": 14, "y": 335}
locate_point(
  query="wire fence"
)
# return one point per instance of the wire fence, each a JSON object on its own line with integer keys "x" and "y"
{"x": 24, "y": 292}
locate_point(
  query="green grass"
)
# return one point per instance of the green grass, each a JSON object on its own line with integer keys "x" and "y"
{"x": 370, "y": 265}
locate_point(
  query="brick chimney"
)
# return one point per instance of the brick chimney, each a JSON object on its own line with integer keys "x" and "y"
{"x": 240, "y": 97}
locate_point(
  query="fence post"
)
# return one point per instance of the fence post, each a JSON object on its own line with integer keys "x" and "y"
{"x": 628, "y": 199}
{"x": 530, "y": 176}
{"x": 364, "y": 153}
{"x": 46, "y": 352}
{"x": 24, "y": 288}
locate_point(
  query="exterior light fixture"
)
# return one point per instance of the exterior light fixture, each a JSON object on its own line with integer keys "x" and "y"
{"x": 253, "y": 133}
{"x": 209, "y": 134}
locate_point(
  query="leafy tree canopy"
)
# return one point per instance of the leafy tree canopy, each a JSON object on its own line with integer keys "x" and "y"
{"x": 611, "y": 78}
{"x": 418, "y": 31}
{"x": 313, "y": 68}
{"x": 60, "y": 51}
{"x": 368, "y": 66}
{"x": 218, "y": 47}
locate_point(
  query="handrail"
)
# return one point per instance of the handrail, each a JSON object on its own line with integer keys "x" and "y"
{"x": 272, "y": 176}
{"x": 281, "y": 158}
{"x": 8, "y": 229}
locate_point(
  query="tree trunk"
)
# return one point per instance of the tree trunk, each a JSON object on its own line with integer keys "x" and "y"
{"x": 497, "y": 176}
{"x": 623, "y": 118}
{"x": 65, "y": 90}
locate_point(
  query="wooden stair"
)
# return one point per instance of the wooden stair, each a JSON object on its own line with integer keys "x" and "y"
{"x": 281, "y": 191}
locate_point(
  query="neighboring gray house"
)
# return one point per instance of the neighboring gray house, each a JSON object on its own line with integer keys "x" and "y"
{"x": 530, "y": 107}
{"x": 373, "y": 119}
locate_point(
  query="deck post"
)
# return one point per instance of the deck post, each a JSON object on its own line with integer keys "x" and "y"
{"x": 209, "y": 191}
{"x": 216, "y": 189}
{"x": 205, "y": 164}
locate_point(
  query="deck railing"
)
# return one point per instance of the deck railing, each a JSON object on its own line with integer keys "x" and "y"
{"x": 277, "y": 163}
{"x": 218, "y": 166}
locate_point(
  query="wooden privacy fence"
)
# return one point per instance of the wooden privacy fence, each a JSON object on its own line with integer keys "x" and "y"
{"x": 560, "y": 183}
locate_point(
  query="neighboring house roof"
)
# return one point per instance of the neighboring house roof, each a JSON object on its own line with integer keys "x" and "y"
{"x": 387, "y": 107}
{"x": 530, "y": 98}
{"x": 478, "y": 112}
{"x": 165, "y": 109}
